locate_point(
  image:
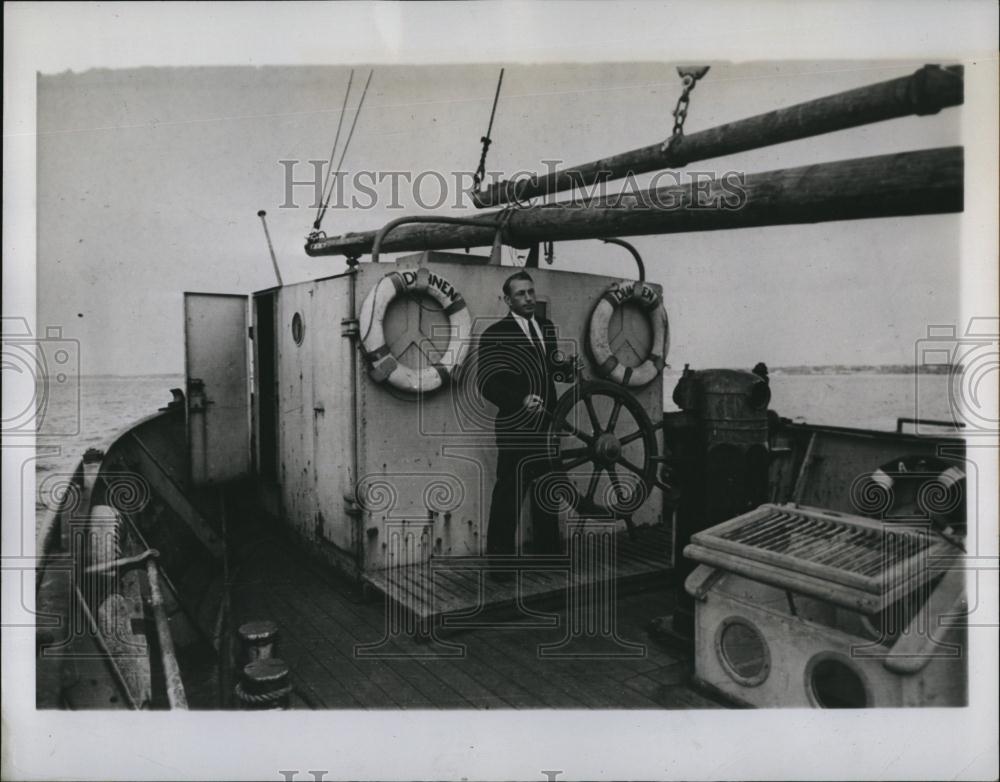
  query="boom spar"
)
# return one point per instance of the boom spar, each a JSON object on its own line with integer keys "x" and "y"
{"x": 926, "y": 91}
{"x": 908, "y": 183}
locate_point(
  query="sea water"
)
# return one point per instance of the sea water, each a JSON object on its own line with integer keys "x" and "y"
{"x": 90, "y": 412}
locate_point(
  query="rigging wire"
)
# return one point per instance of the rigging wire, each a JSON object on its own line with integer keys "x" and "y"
{"x": 333, "y": 151}
{"x": 347, "y": 144}
{"x": 477, "y": 178}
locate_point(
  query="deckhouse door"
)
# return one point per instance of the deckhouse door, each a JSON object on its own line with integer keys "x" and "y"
{"x": 218, "y": 404}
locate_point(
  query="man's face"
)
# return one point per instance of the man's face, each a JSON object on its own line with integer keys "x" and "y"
{"x": 521, "y": 299}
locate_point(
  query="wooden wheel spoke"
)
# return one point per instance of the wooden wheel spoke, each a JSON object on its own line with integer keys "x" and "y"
{"x": 592, "y": 485}
{"x": 629, "y": 466}
{"x": 630, "y": 437}
{"x": 663, "y": 486}
{"x": 568, "y": 428}
{"x": 616, "y": 481}
{"x": 592, "y": 413}
{"x": 670, "y": 493}
{"x": 613, "y": 418}
{"x": 604, "y": 451}
{"x": 575, "y": 463}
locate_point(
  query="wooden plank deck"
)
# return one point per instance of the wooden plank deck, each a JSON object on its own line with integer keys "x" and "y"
{"x": 348, "y": 652}
{"x": 458, "y": 586}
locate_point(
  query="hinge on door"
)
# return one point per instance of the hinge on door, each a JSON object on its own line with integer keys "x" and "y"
{"x": 351, "y": 506}
{"x": 196, "y": 395}
{"x": 250, "y": 332}
{"x": 349, "y": 327}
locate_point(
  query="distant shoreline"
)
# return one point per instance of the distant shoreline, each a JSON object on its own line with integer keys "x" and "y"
{"x": 148, "y": 376}
{"x": 796, "y": 369}
{"x": 869, "y": 369}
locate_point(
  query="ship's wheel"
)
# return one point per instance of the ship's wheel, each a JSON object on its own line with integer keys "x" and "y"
{"x": 603, "y": 452}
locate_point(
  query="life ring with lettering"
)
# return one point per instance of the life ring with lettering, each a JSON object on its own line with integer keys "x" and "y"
{"x": 383, "y": 366}
{"x": 608, "y": 365}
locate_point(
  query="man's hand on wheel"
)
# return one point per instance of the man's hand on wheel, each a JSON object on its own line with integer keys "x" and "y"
{"x": 533, "y": 403}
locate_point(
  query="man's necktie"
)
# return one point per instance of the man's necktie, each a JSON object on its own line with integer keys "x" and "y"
{"x": 536, "y": 342}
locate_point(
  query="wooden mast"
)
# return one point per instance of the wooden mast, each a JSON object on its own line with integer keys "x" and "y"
{"x": 909, "y": 183}
{"x": 926, "y": 91}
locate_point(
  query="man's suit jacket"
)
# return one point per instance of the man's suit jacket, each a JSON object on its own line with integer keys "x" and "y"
{"x": 510, "y": 367}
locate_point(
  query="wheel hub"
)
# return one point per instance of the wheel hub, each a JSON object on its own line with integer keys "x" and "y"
{"x": 607, "y": 447}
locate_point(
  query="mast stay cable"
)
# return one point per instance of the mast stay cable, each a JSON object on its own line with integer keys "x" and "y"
{"x": 333, "y": 151}
{"x": 347, "y": 144}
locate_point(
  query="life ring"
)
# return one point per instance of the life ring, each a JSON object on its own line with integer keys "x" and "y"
{"x": 383, "y": 366}
{"x": 608, "y": 366}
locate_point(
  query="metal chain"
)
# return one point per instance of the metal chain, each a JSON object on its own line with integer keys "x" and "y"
{"x": 689, "y": 79}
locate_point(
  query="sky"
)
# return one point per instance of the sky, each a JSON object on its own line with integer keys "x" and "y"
{"x": 149, "y": 181}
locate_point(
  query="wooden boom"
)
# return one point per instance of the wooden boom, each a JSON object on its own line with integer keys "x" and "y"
{"x": 907, "y": 183}
{"x": 926, "y": 91}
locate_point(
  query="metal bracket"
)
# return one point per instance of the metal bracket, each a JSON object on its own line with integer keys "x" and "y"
{"x": 351, "y": 508}
{"x": 349, "y": 327}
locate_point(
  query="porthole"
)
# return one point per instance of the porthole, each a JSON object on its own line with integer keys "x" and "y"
{"x": 298, "y": 329}
{"x": 743, "y": 652}
{"x": 834, "y": 682}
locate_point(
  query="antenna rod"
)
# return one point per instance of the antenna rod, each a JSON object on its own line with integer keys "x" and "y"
{"x": 277, "y": 272}
{"x": 477, "y": 178}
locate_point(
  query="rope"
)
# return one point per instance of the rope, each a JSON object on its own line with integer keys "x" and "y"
{"x": 371, "y": 322}
{"x": 504, "y": 219}
{"x": 347, "y": 144}
{"x": 477, "y": 178}
{"x": 266, "y": 697}
{"x": 333, "y": 150}
{"x": 499, "y": 238}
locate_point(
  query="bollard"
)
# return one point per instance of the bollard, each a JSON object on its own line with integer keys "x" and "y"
{"x": 265, "y": 685}
{"x": 259, "y": 640}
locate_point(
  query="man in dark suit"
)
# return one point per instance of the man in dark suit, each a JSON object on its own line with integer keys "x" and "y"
{"x": 516, "y": 369}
